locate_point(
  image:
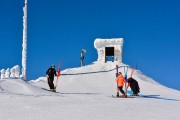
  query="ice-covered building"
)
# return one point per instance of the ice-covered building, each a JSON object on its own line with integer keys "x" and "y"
{"x": 109, "y": 49}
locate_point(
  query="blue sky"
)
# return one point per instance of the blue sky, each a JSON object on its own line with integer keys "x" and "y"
{"x": 59, "y": 29}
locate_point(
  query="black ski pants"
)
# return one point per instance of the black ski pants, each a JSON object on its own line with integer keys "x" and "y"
{"x": 121, "y": 89}
{"x": 50, "y": 82}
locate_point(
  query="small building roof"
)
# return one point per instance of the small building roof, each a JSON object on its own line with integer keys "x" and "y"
{"x": 99, "y": 43}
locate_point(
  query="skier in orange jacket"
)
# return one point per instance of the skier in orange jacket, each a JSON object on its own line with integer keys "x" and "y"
{"x": 120, "y": 83}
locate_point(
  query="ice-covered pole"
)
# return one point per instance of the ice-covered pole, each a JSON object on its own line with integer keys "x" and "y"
{"x": 24, "y": 44}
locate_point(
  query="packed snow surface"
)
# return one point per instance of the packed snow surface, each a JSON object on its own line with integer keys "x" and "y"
{"x": 84, "y": 94}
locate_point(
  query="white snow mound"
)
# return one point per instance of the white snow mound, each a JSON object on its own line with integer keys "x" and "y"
{"x": 84, "y": 93}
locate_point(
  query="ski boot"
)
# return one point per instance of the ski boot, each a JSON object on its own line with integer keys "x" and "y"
{"x": 53, "y": 90}
{"x": 117, "y": 95}
{"x": 123, "y": 95}
{"x": 135, "y": 94}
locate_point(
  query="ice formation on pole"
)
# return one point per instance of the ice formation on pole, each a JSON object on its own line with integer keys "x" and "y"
{"x": 115, "y": 43}
{"x": 2, "y": 73}
{"x": 17, "y": 71}
{"x": 12, "y": 70}
{"x": 24, "y": 45}
{"x": 7, "y": 73}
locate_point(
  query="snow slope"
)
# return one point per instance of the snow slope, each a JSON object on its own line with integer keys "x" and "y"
{"x": 83, "y": 95}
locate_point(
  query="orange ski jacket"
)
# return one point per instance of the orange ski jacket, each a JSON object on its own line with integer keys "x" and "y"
{"x": 120, "y": 80}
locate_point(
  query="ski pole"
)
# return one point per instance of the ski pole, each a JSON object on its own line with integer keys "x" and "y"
{"x": 58, "y": 74}
{"x": 132, "y": 72}
{"x": 117, "y": 89}
{"x": 125, "y": 76}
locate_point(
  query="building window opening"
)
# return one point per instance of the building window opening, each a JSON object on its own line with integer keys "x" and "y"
{"x": 109, "y": 54}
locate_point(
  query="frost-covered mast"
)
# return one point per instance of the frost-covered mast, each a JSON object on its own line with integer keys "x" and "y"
{"x": 24, "y": 45}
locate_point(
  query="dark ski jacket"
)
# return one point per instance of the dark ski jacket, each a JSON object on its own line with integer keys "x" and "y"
{"x": 51, "y": 72}
{"x": 133, "y": 84}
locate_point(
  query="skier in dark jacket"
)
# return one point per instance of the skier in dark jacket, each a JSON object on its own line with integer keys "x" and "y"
{"x": 134, "y": 86}
{"x": 50, "y": 73}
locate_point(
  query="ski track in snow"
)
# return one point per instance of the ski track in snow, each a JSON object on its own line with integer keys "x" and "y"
{"x": 85, "y": 97}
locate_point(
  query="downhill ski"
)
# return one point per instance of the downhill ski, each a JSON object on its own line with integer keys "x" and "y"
{"x": 113, "y": 96}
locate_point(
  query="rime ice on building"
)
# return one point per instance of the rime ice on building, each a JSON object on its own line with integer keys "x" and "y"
{"x": 109, "y": 48}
